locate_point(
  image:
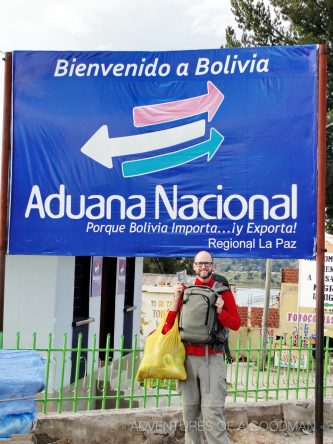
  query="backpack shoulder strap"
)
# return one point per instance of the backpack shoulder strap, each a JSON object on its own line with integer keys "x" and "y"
{"x": 218, "y": 287}
{"x": 220, "y": 278}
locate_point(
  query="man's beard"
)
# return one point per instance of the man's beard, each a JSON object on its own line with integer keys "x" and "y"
{"x": 208, "y": 274}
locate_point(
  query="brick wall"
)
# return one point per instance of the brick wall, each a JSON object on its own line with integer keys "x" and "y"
{"x": 243, "y": 313}
{"x": 289, "y": 275}
{"x": 273, "y": 317}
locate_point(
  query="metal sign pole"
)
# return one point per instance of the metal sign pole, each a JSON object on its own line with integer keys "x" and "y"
{"x": 320, "y": 256}
{"x": 7, "y": 114}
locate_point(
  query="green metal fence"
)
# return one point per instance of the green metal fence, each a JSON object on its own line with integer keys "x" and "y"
{"x": 93, "y": 378}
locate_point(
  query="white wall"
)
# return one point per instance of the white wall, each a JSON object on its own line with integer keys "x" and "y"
{"x": 39, "y": 295}
{"x": 137, "y": 296}
{"x": 94, "y": 312}
{"x": 38, "y": 298}
{"x": 64, "y": 299}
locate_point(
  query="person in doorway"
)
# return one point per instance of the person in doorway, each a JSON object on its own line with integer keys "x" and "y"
{"x": 204, "y": 391}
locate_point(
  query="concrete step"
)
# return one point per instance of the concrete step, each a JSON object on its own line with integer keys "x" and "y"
{"x": 111, "y": 403}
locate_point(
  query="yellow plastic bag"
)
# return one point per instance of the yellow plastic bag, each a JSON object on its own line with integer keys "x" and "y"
{"x": 164, "y": 355}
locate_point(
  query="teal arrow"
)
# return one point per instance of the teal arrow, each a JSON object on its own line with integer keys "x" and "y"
{"x": 171, "y": 160}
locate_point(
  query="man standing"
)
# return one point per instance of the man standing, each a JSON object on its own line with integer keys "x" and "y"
{"x": 204, "y": 391}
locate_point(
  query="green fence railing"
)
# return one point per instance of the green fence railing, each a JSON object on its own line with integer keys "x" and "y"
{"x": 92, "y": 378}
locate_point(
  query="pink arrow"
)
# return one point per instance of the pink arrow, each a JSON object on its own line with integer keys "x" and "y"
{"x": 167, "y": 112}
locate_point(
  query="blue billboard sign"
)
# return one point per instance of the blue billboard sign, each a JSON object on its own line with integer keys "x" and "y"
{"x": 165, "y": 153}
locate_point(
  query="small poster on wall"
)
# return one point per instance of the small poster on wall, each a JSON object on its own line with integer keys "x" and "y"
{"x": 96, "y": 276}
{"x": 121, "y": 275}
{"x": 307, "y": 283}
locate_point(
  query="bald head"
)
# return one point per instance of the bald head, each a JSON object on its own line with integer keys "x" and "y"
{"x": 203, "y": 265}
{"x": 201, "y": 253}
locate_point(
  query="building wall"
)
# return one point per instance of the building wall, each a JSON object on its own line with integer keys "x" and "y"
{"x": 39, "y": 293}
{"x": 94, "y": 312}
{"x": 38, "y": 298}
{"x": 137, "y": 295}
{"x": 292, "y": 325}
{"x": 244, "y": 316}
{"x": 257, "y": 315}
{"x": 289, "y": 275}
{"x": 288, "y": 303}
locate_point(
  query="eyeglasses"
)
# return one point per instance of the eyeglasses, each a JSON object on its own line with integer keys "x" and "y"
{"x": 203, "y": 264}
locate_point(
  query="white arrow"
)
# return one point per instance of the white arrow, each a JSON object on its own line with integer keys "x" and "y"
{"x": 101, "y": 148}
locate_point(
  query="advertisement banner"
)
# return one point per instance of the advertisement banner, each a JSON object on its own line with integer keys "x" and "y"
{"x": 165, "y": 153}
{"x": 307, "y": 283}
{"x": 308, "y": 318}
{"x": 293, "y": 359}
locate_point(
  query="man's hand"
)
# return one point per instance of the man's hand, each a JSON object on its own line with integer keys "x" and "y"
{"x": 178, "y": 291}
{"x": 219, "y": 305}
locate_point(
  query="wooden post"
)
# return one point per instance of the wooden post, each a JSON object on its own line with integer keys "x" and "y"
{"x": 320, "y": 256}
{"x": 7, "y": 114}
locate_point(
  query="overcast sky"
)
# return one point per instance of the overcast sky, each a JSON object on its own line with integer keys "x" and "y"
{"x": 113, "y": 24}
{"x": 153, "y": 25}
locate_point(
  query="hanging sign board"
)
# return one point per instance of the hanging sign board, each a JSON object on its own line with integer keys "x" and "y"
{"x": 307, "y": 282}
{"x": 165, "y": 153}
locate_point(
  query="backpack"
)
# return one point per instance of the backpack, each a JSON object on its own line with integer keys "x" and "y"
{"x": 198, "y": 322}
{"x": 219, "y": 278}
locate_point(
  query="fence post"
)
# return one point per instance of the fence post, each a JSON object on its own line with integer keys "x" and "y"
{"x": 278, "y": 368}
{"x": 91, "y": 376}
{"x": 47, "y": 373}
{"x": 62, "y": 374}
{"x": 133, "y": 368}
{"x": 258, "y": 369}
{"x": 247, "y": 366}
{"x": 106, "y": 369}
{"x": 77, "y": 371}
{"x": 120, "y": 367}
{"x": 237, "y": 367}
